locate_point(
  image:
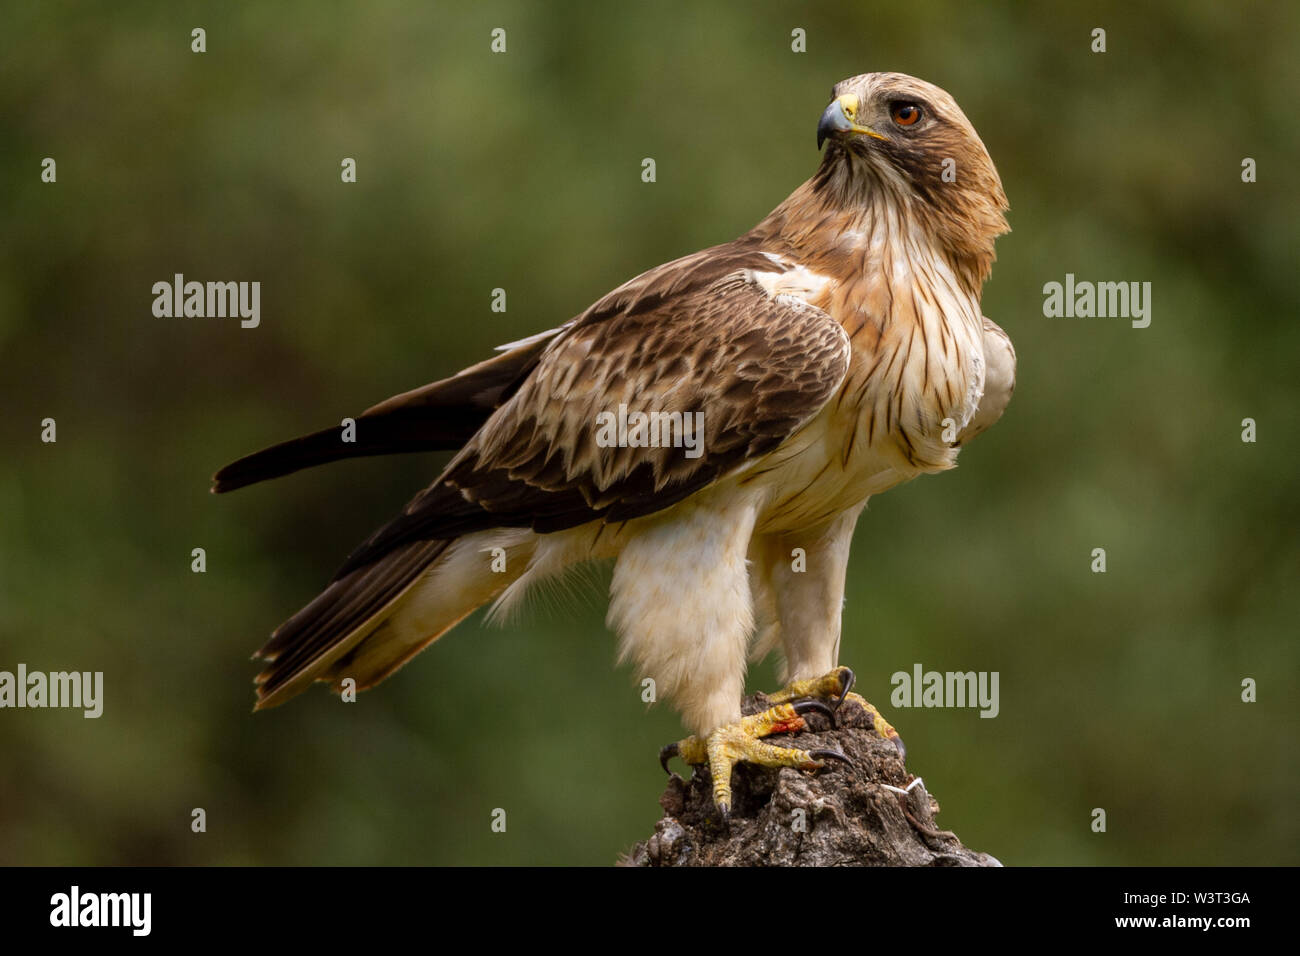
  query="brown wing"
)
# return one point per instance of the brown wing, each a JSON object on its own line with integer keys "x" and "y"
{"x": 685, "y": 338}
{"x": 999, "y": 380}
{"x": 695, "y": 335}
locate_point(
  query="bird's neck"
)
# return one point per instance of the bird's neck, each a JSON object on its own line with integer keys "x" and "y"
{"x": 855, "y": 223}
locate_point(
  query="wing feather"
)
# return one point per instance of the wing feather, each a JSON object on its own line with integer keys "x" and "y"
{"x": 685, "y": 338}
{"x": 440, "y": 416}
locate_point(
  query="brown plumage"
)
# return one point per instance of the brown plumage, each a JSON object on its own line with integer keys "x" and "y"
{"x": 835, "y": 350}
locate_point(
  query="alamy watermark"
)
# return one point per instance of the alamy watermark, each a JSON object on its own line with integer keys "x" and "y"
{"x": 626, "y": 429}
{"x": 83, "y": 690}
{"x": 951, "y": 689}
{"x": 75, "y": 908}
{"x": 1103, "y": 300}
{"x": 211, "y": 300}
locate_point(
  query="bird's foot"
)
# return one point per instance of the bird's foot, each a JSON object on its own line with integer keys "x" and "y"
{"x": 733, "y": 743}
{"x": 835, "y": 688}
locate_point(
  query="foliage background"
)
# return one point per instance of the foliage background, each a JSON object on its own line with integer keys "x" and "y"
{"x": 1119, "y": 690}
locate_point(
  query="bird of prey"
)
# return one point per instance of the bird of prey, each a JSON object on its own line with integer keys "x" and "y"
{"x": 835, "y": 350}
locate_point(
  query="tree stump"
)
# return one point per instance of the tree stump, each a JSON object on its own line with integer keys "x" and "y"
{"x": 842, "y": 815}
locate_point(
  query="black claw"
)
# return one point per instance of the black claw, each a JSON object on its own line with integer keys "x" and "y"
{"x": 810, "y": 705}
{"x": 666, "y": 754}
{"x": 849, "y": 680}
{"x": 830, "y": 755}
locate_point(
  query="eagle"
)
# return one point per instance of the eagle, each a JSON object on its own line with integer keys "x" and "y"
{"x": 832, "y": 352}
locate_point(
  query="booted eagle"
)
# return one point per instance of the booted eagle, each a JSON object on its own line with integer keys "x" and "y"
{"x": 835, "y": 350}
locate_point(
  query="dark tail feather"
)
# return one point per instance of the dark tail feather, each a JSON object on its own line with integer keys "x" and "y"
{"x": 437, "y": 417}
{"x": 389, "y": 434}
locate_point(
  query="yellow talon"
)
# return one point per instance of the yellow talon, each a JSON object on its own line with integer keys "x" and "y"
{"x": 737, "y": 742}
{"x": 830, "y": 686}
{"x": 733, "y": 743}
{"x": 882, "y": 726}
{"x": 835, "y": 686}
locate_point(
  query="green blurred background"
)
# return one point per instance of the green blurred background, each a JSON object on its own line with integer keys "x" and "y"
{"x": 1119, "y": 690}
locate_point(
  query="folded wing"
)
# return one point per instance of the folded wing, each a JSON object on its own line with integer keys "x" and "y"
{"x": 701, "y": 336}
{"x": 749, "y": 367}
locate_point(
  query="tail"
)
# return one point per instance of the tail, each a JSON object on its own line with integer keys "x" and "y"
{"x": 371, "y": 621}
{"x": 380, "y": 612}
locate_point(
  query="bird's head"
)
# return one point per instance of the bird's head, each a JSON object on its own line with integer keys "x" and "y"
{"x": 891, "y": 138}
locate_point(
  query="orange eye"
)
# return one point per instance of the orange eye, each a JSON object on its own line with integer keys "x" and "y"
{"x": 906, "y": 114}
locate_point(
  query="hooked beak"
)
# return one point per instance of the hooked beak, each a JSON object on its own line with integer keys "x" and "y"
{"x": 838, "y": 118}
